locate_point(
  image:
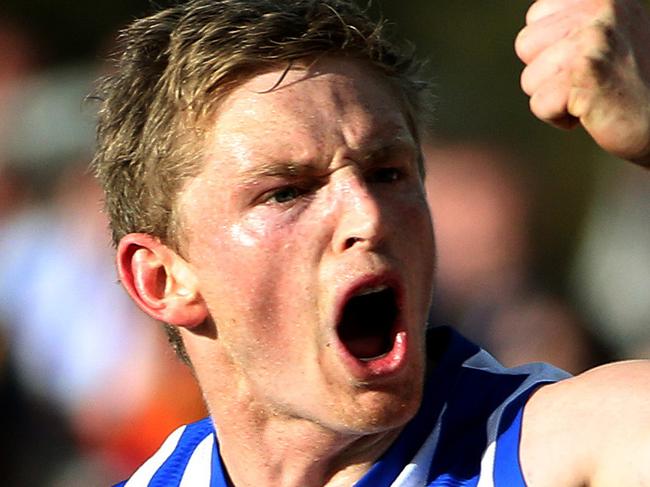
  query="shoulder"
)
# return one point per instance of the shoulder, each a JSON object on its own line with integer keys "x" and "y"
{"x": 468, "y": 427}
{"x": 187, "y": 453}
{"x": 593, "y": 429}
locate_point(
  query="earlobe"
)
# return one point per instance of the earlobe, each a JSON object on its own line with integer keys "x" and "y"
{"x": 160, "y": 281}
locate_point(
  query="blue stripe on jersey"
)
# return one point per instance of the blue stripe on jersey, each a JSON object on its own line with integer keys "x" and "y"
{"x": 507, "y": 469}
{"x": 171, "y": 471}
{"x": 218, "y": 475}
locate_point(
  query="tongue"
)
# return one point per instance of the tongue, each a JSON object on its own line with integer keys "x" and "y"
{"x": 366, "y": 347}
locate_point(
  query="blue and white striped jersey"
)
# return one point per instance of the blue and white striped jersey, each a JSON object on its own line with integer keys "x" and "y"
{"x": 465, "y": 434}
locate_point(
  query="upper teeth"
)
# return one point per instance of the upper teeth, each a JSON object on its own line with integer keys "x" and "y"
{"x": 370, "y": 290}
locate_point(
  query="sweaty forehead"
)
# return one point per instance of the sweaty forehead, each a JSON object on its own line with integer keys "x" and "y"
{"x": 330, "y": 102}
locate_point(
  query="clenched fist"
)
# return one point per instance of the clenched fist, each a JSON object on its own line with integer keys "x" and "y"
{"x": 588, "y": 62}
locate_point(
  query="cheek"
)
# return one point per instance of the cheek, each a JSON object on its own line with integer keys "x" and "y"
{"x": 234, "y": 250}
{"x": 415, "y": 225}
{"x": 252, "y": 270}
{"x": 230, "y": 261}
{"x": 416, "y": 246}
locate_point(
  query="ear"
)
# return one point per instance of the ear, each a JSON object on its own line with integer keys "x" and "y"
{"x": 160, "y": 281}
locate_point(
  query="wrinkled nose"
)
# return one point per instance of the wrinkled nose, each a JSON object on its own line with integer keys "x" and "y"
{"x": 360, "y": 216}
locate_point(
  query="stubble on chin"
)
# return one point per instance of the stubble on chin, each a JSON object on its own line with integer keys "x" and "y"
{"x": 385, "y": 408}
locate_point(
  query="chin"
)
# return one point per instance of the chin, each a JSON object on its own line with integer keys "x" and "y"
{"x": 386, "y": 407}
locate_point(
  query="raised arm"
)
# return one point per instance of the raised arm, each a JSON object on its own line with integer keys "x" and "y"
{"x": 588, "y": 63}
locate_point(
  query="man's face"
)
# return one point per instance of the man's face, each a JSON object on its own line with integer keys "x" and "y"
{"x": 311, "y": 239}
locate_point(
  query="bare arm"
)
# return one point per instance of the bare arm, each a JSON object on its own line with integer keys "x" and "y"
{"x": 592, "y": 430}
{"x": 588, "y": 63}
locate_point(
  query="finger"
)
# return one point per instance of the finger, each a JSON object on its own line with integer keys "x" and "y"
{"x": 543, "y": 8}
{"x": 548, "y": 64}
{"x": 537, "y": 37}
{"x": 549, "y": 102}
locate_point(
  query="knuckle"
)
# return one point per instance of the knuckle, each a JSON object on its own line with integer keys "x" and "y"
{"x": 538, "y": 106}
{"x": 522, "y": 46}
{"x": 536, "y": 11}
{"x": 526, "y": 82}
{"x": 547, "y": 105}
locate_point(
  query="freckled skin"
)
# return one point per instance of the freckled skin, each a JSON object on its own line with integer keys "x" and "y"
{"x": 304, "y": 189}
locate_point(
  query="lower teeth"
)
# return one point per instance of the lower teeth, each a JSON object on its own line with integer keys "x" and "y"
{"x": 370, "y": 359}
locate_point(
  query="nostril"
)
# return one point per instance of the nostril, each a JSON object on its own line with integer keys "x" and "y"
{"x": 351, "y": 241}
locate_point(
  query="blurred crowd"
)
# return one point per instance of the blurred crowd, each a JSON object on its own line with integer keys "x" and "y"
{"x": 89, "y": 386}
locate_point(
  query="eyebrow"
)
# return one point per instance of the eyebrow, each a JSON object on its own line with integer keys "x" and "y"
{"x": 285, "y": 170}
{"x": 369, "y": 153}
{"x": 397, "y": 145}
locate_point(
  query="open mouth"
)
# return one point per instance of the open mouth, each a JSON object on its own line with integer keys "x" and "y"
{"x": 367, "y": 324}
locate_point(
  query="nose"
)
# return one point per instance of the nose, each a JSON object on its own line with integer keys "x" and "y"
{"x": 361, "y": 220}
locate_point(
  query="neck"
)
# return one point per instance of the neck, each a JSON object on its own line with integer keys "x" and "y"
{"x": 300, "y": 441}
{"x": 262, "y": 449}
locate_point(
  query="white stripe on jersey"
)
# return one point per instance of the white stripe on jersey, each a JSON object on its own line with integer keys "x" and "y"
{"x": 199, "y": 468}
{"x": 486, "y": 477}
{"x": 416, "y": 472}
{"x": 143, "y": 475}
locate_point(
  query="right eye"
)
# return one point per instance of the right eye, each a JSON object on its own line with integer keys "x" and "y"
{"x": 387, "y": 175}
{"x": 284, "y": 194}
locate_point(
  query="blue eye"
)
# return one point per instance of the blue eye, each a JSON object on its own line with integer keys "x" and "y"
{"x": 284, "y": 195}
